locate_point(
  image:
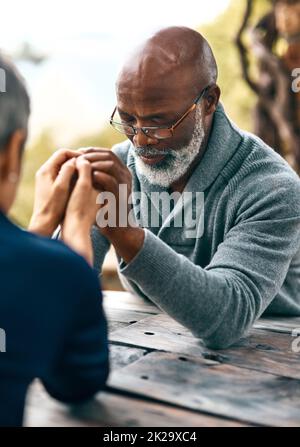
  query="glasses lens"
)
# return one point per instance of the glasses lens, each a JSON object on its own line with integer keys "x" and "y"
{"x": 161, "y": 133}
{"x": 123, "y": 128}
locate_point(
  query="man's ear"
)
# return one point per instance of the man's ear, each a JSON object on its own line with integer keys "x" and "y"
{"x": 12, "y": 154}
{"x": 212, "y": 99}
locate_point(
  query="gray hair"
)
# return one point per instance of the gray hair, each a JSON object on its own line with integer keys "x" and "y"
{"x": 14, "y": 101}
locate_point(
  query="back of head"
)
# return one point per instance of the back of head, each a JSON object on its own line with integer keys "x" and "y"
{"x": 14, "y": 101}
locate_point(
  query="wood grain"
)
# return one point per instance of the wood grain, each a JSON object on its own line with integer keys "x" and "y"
{"x": 284, "y": 325}
{"x": 126, "y": 300}
{"x": 161, "y": 375}
{"x": 110, "y": 410}
{"x": 261, "y": 350}
{"x": 120, "y": 356}
{"x": 238, "y": 393}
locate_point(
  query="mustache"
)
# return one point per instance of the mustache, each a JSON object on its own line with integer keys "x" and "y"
{"x": 150, "y": 151}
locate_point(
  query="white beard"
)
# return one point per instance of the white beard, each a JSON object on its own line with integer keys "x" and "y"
{"x": 177, "y": 163}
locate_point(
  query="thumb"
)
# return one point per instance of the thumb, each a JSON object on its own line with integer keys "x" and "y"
{"x": 84, "y": 169}
{"x": 66, "y": 173}
{"x": 84, "y": 185}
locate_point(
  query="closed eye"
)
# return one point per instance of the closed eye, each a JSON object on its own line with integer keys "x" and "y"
{"x": 125, "y": 118}
{"x": 150, "y": 120}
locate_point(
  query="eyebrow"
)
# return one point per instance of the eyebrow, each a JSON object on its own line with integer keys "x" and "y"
{"x": 146, "y": 117}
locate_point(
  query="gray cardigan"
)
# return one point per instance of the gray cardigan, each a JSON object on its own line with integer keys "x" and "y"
{"x": 247, "y": 260}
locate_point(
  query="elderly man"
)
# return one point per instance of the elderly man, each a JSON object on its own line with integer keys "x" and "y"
{"x": 245, "y": 259}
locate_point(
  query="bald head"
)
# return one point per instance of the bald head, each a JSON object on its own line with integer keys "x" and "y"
{"x": 159, "y": 85}
{"x": 175, "y": 54}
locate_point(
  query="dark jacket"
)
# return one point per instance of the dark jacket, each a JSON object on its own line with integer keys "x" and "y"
{"x": 52, "y": 317}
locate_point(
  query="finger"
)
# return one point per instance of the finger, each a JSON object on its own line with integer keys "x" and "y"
{"x": 101, "y": 155}
{"x": 66, "y": 174}
{"x": 84, "y": 169}
{"x": 104, "y": 156}
{"x": 54, "y": 163}
{"x": 107, "y": 166}
{"x": 104, "y": 181}
{"x": 83, "y": 150}
{"x": 61, "y": 156}
{"x": 88, "y": 150}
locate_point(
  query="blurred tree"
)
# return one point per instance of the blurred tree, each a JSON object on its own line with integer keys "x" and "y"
{"x": 237, "y": 97}
{"x": 275, "y": 45}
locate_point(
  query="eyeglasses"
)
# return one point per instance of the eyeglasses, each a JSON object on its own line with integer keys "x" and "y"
{"x": 160, "y": 132}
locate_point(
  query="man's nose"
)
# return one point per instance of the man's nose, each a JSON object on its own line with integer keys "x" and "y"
{"x": 140, "y": 139}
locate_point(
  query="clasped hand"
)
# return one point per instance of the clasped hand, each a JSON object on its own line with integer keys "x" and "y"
{"x": 66, "y": 191}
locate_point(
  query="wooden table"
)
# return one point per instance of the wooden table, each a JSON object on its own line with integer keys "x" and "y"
{"x": 162, "y": 376}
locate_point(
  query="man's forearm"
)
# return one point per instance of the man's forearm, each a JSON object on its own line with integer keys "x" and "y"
{"x": 127, "y": 241}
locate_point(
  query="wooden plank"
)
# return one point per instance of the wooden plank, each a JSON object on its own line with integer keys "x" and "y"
{"x": 284, "y": 325}
{"x": 110, "y": 410}
{"x": 115, "y": 325}
{"x": 120, "y": 318}
{"x": 261, "y": 350}
{"x": 126, "y": 300}
{"x": 125, "y": 316}
{"x": 120, "y": 356}
{"x": 224, "y": 390}
{"x": 160, "y": 332}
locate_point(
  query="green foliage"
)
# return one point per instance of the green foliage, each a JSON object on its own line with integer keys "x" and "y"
{"x": 34, "y": 157}
{"x": 237, "y": 97}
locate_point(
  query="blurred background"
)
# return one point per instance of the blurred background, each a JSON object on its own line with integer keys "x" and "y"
{"x": 70, "y": 54}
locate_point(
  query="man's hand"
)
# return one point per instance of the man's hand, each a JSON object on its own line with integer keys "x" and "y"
{"x": 52, "y": 191}
{"x": 81, "y": 212}
{"x": 108, "y": 173}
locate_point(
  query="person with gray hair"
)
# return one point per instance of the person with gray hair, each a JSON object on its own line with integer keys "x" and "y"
{"x": 15, "y": 107}
{"x": 51, "y": 315}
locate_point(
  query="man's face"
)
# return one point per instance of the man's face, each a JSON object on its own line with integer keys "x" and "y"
{"x": 163, "y": 161}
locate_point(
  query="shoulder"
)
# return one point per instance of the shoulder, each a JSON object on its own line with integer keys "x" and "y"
{"x": 265, "y": 181}
{"x": 122, "y": 150}
{"x": 53, "y": 256}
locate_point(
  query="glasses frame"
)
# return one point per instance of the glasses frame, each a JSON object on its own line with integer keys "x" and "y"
{"x": 146, "y": 130}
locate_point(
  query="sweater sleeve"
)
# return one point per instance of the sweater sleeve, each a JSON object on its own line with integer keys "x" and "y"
{"x": 100, "y": 248}
{"x": 220, "y": 302}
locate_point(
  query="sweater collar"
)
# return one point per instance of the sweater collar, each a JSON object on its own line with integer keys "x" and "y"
{"x": 224, "y": 140}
